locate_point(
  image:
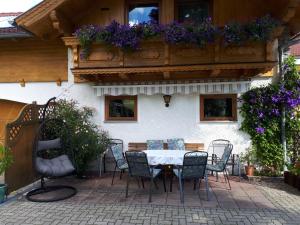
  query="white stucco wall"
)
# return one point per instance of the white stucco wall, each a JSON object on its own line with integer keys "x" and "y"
{"x": 155, "y": 121}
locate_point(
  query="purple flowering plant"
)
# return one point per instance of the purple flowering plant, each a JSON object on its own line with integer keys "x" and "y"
{"x": 261, "y": 110}
{"x": 199, "y": 33}
{"x": 260, "y": 29}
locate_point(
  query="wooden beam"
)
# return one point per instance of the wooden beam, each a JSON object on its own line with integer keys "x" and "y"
{"x": 290, "y": 10}
{"x": 123, "y": 76}
{"x": 167, "y": 75}
{"x": 60, "y": 23}
{"x": 162, "y": 69}
{"x": 215, "y": 73}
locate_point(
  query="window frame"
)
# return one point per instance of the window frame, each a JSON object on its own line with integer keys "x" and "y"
{"x": 178, "y": 3}
{"x": 219, "y": 96}
{"x": 129, "y": 2}
{"x": 108, "y": 98}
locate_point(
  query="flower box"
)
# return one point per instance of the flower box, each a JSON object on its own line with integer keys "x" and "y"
{"x": 249, "y": 52}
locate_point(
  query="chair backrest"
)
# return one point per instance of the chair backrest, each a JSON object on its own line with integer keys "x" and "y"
{"x": 216, "y": 147}
{"x": 176, "y": 144}
{"x": 225, "y": 156}
{"x": 138, "y": 164}
{"x": 155, "y": 144}
{"x": 48, "y": 138}
{"x": 116, "y": 147}
{"x": 194, "y": 164}
{"x": 51, "y": 144}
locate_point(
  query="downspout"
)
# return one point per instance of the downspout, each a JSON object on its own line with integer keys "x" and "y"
{"x": 283, "y": 110}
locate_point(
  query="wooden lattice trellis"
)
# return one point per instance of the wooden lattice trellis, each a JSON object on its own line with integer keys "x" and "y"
{"x": 20, "y": 135}
{"x": 30, "y": 114}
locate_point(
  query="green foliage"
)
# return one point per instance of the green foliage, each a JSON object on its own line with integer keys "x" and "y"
{"x": 262, "y": 108}
{"x": 87, "y": 141}
{"x": 249, "y": 156}
{"x": 6, "y": 159}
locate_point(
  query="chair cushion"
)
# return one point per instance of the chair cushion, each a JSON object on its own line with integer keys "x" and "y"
{"x": 123, "y": 166}
{"x": 176, "y": 144}
{"x": 155, "y": 144}
{"x": 56, "y": 167}
{"x": 216, "y": 167}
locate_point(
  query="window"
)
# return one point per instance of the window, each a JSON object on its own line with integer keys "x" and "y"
{"x": 143, "y": 13}
{"x": 121, "y": 108}
{"x": 192, "y": 11}
{"x": 218, "y": 107}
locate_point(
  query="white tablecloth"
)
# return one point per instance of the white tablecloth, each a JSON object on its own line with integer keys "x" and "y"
{"x": 165, "y": 157}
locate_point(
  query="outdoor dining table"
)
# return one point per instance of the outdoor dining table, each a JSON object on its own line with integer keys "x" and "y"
{"x": 165, "y": 157}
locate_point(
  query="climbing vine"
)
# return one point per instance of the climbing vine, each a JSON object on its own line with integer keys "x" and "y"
{"x": 262, "y": 110}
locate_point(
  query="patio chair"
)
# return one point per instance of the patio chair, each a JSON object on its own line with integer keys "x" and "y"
{"x": 220, "y": 164}
{"x": 116, "y": 148}
{"x": 217, "y": 147}
{"x": 176, "y": 144}
{"x": 194, "y": 168}
{"x": 138, "y": 167}
{"x": 51, "y": 160}
{"x": 155, "y": 144}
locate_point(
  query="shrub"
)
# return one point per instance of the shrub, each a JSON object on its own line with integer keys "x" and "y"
{"x": 87, "y": 141}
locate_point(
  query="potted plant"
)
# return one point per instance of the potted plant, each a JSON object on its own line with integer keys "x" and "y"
{"x": 249, "y": 158}
{"x": 294, "y": 177}
{"x": 6, "y": 160}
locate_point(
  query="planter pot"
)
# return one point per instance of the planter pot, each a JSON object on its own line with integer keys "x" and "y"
{"x": 298, "y": 182}
{"x": 295, "y": 177}
{"x": 292, "y": 180}
{"x": 249, "y": 170}
{"x": 286, "y": 175}
{"x": 3, "y": 188}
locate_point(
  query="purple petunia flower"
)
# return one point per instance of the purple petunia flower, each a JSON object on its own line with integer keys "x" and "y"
{"x": 260, "y": 115}
{"x": 260, "y": 130}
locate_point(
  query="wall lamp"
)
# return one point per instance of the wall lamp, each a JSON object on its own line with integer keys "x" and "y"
{"x": 167, "y": 99}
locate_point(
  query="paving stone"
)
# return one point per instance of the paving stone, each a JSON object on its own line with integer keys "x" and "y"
{"x": 99, "y": 203}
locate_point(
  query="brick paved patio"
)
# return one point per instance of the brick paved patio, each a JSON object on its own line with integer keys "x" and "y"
{"x": 97, "y": 202}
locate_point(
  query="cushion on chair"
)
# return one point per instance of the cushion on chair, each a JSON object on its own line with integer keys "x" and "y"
{"x": 117, "y": 152}
{"x": 56, "y": 167}
{"x": 176, "y": 144}
{"x": 216, "y": 167}
{"x": 155, "y": 144}
{"x": 49, "y": 144}
{"x": 123, "y": 166}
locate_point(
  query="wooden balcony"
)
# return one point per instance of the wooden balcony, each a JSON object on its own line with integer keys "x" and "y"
{"x": 156, "y": 60}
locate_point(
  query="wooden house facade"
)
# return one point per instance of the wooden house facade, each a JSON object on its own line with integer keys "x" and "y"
{"x": 130, "y": 90}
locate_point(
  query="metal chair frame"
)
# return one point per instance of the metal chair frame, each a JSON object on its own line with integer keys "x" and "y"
{"x": 117, "y": 165}
{"x": 43, "y": 188}
{"x": 138, "y": 167}
{"x": 223, "y": 161}
{"x": 233, "y": 160}
{"x": 193, "y": 162}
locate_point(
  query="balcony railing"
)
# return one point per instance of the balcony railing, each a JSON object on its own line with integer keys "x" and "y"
{"x": 157, "y": 56}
